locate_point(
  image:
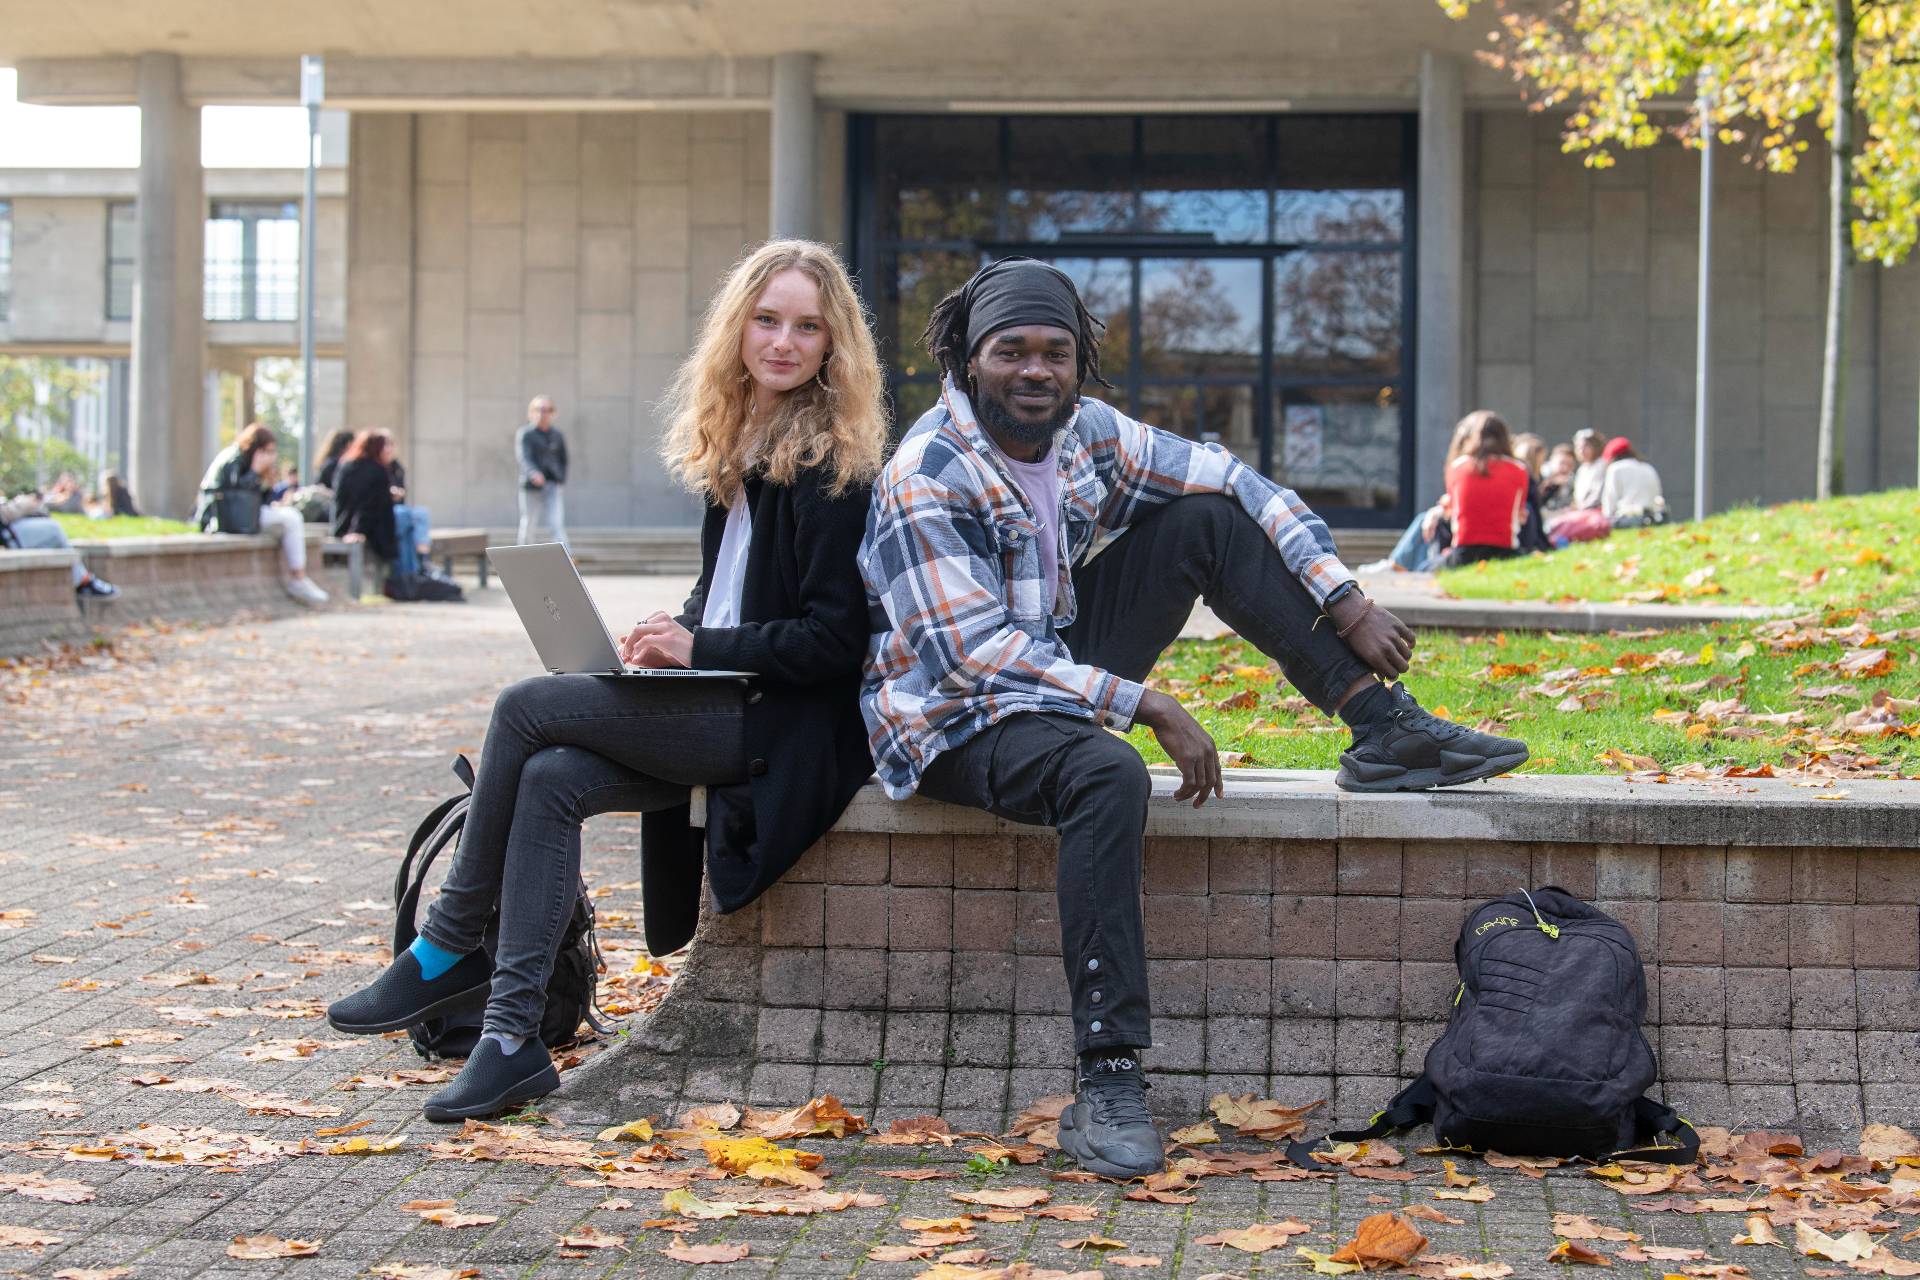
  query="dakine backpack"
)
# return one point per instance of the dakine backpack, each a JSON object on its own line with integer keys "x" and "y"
{"x": 576, "y": 968}
{"x": 1543, "y": 1053}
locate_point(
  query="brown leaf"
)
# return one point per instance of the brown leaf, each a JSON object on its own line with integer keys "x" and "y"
{"x": 722, "y": 1115}
{"x": 899, "y": 1253}
{"x": 1042, "y": 1111}
{"x": 823, "y": 1116}
{"x": 1759, "y": 1231}
{"x": 420, "y": 1271}
{"x": 1069, "y": 1212}
{"x": 1569, "y": 1252}
{"x": 1473, "y": 1195}
{"x": 1004, "y": 1197}
{"x": 1659, "y": 1253}
{"x": 263, "y": 1247}
{"x": 25, "y": 1238}
{"x": 698, "y": 1253}
{"x": 92, "y": 1273}
{"x": 453, "y": 1220}
{"x": 912, "y": 1175}
{"x": 1382, "y": 1240}
{"x": 1574, "y": 1226}
{"x": 1885, "y": 1143}
{"x": 1427, "y": 1213}
{"x": 915, "y": 1131}
{"x": 1132, "y": 1260}
{"x": 1262, "y": 1118}
{"x": 1095, "y": 1243}
{"x": 589, "y": 1237}
{"x": 1258, "y": 1238}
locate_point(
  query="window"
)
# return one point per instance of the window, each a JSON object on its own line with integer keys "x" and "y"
{"x": 253, "y": 262}
{"x": 1253, "y": 272}
{"x": 6, "y": 259}
{"x": 123, "y": 236}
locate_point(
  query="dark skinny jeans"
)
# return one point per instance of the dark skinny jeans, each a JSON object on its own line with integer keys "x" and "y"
{"x": 1063, "y": 772}
{"x": 559, "y": 750}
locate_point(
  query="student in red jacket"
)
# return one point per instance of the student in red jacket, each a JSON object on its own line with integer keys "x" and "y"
{"x": 1487, "y": 487}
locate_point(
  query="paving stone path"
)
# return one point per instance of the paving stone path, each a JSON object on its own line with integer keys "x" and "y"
{"x": 198, "y": 832}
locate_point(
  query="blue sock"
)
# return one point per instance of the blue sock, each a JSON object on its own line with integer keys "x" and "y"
{"x": 434, "y": 961}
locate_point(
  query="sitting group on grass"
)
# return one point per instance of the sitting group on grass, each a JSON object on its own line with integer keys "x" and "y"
{"x": 971, "y": 617}
{"x": 1508, "y": 495}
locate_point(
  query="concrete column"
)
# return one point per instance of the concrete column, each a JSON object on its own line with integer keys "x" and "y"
{"x": 1439, "y": 360}
{"x": 793, "y": 145}
{"x": 379, "y": 334}
{"x": 169, "y": 329}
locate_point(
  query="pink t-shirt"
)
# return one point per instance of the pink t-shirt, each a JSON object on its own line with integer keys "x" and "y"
{"x": 1040, "y": 481}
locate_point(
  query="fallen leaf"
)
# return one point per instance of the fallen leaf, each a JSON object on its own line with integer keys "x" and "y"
{"x": 367, "y": 1146}
{"x": 688, "y": 1205}
{"x": 1004, "y": 1197}
{"x": 1759, "y": 1231}
{"x": 453, "y": 1219}
{"x": 899, "y": 1252}
{"x": 1814, "y": 1243}
{"x": 632, "y": 1131}
{"x": 1476, "y": 1195}
{"x": 1132, "y": 1260}
{"x": 699, "y": 1253}
{"x": 255, "y": 1248}
{"x": 1262, "y": 1118}
{"x": 1574, "y": 1226}
{"x": 1428, "y": 1213}
{"x": 420, "y": 1271}
{"x": 822, "y": 1116}
{"x": 589, "y": 1237}
{"x": 1195, "y": 1135}
{"x": 1885, "y": 1143}
{"x": 1095, "y": 1243}
{"x": 1478, "y": 1271}
{"x": 1382, "y": 1240}
{"x": 723, "y": 1115}
{"x": 1258, "y": 1238}
{"x": 92, "y": 1273}
{"x": 25, "y": 1238}
{"x": 1323, "y": 1263}
{"x": 1569, "y": 1252}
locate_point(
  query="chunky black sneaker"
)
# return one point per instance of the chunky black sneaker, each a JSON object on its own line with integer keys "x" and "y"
{"x": 1107, "y": 1129}
{"x": 1409, "y": 749}
{"x": 493, "y": 1082}
{"x": 401, "y": 997}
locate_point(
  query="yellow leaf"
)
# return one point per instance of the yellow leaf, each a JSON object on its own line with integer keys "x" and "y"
{"x": 738, "y": 1155}
{"x": 367, "y": 1146}
{"x": 633, "y": 1131}
{"x": 687, "y": 1205}
{"x": 1324, "y": 1265}
{"x": 1195, "y": 1135}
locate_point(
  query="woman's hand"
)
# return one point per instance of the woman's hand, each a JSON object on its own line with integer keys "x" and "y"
{"x": 658, "y": 642}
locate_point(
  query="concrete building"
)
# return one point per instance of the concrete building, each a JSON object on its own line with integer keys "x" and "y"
{"x": 1318, "y": 232}
{"x": 69, "y": 265}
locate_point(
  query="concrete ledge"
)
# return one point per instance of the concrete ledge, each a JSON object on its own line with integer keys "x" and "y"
{"x": 1300, "y": 945}
{"x": 1305, "y": 805}
{"x": 176, "y": 577}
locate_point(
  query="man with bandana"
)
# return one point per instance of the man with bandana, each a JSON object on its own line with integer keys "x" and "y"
{"x": 1029, "y": 554}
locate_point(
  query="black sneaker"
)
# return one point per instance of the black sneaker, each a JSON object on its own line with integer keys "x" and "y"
{"x": 401, "y": 997}
{"x": 493, "y": 1082}
{"x": 94, "y": 588}
{"x": 1107, "y": 1129}
{"x": 1410, "y": 749}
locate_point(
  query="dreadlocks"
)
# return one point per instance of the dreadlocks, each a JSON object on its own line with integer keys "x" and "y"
{"x": 946, "y": 338}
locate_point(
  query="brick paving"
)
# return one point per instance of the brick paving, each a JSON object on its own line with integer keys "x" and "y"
{"x": 197, "y": 839}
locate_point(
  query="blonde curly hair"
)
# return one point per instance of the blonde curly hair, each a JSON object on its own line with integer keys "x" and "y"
{"x": 837, "y": 419}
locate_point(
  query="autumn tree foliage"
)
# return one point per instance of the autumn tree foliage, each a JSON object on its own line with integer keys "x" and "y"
{"x": 1772, "y": 73}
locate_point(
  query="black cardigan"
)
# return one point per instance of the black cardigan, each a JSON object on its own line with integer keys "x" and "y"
{"x": 804, "y": 629}
{"x": 363, "y": 503}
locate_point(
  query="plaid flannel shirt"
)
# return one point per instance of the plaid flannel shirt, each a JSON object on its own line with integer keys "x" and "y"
{"x": 961, "y": 635}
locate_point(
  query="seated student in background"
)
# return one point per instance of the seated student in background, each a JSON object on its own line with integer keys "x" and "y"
{"x": 363, "y": 502}
{"x": 329, "y": 467}
{"x": 1531, "y": 450}
{"x": 1630, "y": 495}
{"x": 778, "y": 425}
{"x": 1592, "y": 471}
{"x": 119, "y": 497}
{"x": 1030, "y": 554}
{"x": 1556, "y": 481}
{"x": 1488, "y": 487}
{"x": 26, "y": 525}
{"x": 248, "y": 463}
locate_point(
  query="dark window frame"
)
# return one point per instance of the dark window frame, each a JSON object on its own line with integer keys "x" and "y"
{"x": 874, "y": 258}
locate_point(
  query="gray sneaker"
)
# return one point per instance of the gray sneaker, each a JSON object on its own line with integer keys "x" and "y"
{"x": 1107, "y": 1129}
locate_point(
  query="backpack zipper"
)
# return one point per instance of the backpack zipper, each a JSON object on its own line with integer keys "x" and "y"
{"x": 1551, "y": 930}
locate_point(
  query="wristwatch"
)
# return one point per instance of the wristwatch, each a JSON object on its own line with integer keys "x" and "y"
{"x": 1334, "y": 597}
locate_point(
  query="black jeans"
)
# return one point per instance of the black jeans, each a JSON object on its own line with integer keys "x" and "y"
{"x": 559, "y": 750}
{"x": 1091, "y": 786}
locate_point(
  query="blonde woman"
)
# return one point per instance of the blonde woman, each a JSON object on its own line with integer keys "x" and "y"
{"x": 778, "y": 425}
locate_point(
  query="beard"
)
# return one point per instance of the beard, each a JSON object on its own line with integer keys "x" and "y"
{"x": 998, "y": 415}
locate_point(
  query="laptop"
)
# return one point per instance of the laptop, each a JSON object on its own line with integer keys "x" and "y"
{"x": 563, "y": 622}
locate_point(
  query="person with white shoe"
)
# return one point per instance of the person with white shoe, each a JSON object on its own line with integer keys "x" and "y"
{"x": 237, "y": 482}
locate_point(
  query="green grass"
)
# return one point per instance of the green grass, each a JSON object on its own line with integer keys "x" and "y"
{"x": 1574, "y": 698}
{"x": 1849, "y": 551}
{"x": 81, "y": 529}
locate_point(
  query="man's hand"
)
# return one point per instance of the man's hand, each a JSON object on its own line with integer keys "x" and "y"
{"x": 1378, "y": 638}
{"x": 1186, "y": 743}
{"x": 658, "y": 642}
{"x": 538, "y": 479}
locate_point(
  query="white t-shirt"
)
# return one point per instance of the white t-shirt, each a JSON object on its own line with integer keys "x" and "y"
{"x": 1631, "y": 488}
{"x": 730, "y": 566}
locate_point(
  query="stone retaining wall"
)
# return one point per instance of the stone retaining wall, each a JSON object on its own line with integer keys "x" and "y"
{"x": 917, "y": 966}
{"x": 171, "y": 578}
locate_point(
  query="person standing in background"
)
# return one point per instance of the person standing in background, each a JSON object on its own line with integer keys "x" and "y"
{"x": 543, "y": 472}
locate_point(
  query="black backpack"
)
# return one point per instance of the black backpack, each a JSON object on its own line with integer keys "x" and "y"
{"x": 426, "y": 586}
{"x": 576, "y": 968}
{"x": 1543, "y": 1054}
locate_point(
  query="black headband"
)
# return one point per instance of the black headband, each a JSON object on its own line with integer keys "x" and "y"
{"x": 1017, "y": 291}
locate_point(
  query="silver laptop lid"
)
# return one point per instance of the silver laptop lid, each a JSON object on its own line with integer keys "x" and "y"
{"x": 560, "y": 617}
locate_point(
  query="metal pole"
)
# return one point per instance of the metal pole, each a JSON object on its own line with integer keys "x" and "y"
{"x": 312, "y": 92}
{"x": 1703, "y": 337}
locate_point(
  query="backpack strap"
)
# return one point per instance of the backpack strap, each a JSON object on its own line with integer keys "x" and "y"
{"x": 434, "y": 833}
{"x": 1661, "y": 1135}
{"x": 1411, "y": 1107}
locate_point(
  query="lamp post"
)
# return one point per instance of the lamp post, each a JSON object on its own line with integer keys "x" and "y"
{"x": 1702, "y": 350}
{"x": 313, "y": 90}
